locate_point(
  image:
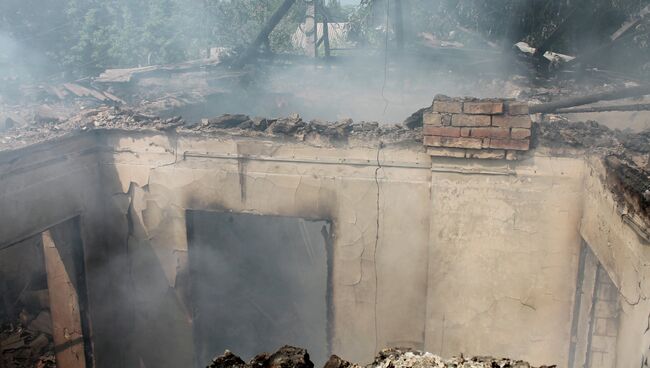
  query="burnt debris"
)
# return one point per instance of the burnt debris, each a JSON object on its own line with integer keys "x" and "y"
{"x": 285, "y": 357}
{"x": 27, "y": 342}
{"x": 292, "y": 357}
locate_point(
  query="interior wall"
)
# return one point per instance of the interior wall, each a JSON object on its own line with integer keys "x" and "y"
{"x": 625, "y": 257}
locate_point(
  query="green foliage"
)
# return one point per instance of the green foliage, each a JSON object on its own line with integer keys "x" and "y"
{"x": 83, "y": 37}
{"x": 237, "y": 22}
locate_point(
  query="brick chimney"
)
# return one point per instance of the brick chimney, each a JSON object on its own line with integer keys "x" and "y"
{"x": 477, "y": 128}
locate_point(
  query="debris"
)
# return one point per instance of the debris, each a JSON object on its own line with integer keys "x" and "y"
{"x": 631, "y": 22}
{"x": 291, "y": 357}
{"x": 21, "y": 347}
{"x": 285, "y": 357}
{"x": 286, "y": 126}
{"x": 227, "y": 360}
{"x": 42, "y": 323}
{"x": 81, "y": 91}
{"x": 548, "y": 55}
{"x": 336, "y": 362}
{"x": 405, "y": 358}
{"x": 226, "y": 121}
{"x": 122, "y": 75}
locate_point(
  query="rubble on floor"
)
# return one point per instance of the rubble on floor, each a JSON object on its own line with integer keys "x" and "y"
{"x": 27, "y": 346}
{"x": 285, "y": 357}
{"x": 26, "y": 336}
{"x": 291, "y": 357}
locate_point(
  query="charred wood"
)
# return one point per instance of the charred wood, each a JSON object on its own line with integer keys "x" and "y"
{"x": 616, "y": 108}
{"x": 616, "y": 94}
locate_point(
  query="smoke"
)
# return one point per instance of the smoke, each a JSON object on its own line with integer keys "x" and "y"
{"x": 258, "y": 283}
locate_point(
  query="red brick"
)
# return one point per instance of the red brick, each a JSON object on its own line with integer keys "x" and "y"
{"x": 465, "y": 132}
{"x": 485, "y": 108}
{"x": 510, "y": 144}
{"x": 506, "y": 121}
{"x": 432, "y": 118}
{"x": 452, "y": 142}
{"x": 520, "y": 133}
{"x": 492, "y": 132}
{"x": 453, "y": 107}
{"x": 471, "y": 120}
{"x": 517, "y": 108}
{"x": 441, "y": 131}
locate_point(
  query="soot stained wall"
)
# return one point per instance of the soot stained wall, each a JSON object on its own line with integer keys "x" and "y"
{"x": 451, "y": 256}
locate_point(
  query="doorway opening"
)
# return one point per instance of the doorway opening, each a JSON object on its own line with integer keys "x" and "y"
{"x": 43, "y": 301}
{"x": 258, "y": 283}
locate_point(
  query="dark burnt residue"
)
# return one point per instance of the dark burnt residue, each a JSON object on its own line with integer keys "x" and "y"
{"x": 630, "y": 184}
{"x": 626, "y": 156}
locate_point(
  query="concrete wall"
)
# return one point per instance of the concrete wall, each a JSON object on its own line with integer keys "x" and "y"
{"x": 451, "y": 256}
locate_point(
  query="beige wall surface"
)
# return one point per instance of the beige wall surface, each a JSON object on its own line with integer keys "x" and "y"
{"x": 451, "y": 256}
{"x": 376, "y": 271}
{"x": 503, "y": 258}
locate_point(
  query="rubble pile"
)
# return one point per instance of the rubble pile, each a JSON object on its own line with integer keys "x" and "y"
{"x": 116, "y": 118}
{"x": 285, "y": 357}
{"x": 294, "y": 126}
{"x": 291, "y": 357}
{"x": 27, "y": 345}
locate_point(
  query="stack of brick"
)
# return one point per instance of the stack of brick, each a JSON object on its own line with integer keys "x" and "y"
{"x": 477, "y": 128}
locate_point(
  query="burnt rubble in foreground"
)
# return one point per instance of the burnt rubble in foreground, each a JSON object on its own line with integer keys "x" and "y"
{"x": 292, "y": 357}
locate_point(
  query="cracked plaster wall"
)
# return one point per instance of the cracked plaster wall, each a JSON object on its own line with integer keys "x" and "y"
{"x": 166, "y": 177}
{"x": 626, "y": 259}
{"x": 504, "y": 248}
{"x": 469, "y": 258}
